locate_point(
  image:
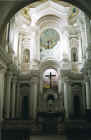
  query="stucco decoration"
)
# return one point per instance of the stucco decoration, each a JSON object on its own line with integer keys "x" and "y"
{"x": 25, "y": 13}
{"x": 73, "y": 15}
{"x": 26, "y": 56}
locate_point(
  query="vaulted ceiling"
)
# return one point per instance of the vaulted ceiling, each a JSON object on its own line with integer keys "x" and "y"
{"x": 9, "y": 7}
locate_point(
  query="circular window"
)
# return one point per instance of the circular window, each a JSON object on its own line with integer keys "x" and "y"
{"x": 49, "y": 38}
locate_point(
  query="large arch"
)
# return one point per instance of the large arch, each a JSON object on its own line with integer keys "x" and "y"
{"x": 54, "y": 64}
{"x": 48, "y": 64}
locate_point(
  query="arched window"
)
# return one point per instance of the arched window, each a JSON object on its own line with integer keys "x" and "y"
{"x": 26, "y": 56}
{"x": 74, "y": 54}
{"x": 50, "y": 78}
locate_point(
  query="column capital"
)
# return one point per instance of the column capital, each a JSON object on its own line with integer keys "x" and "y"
{"x": 86, "y": 78}
{"x": 3, "y": 71}
{"x": 9, "y": 74}
{"x": 14, "y": 79}
{"x": 18, "y": 85}
{"x": 66, "y": 79}
{"x": 89, "y": 72}
{"x": 34, "y": 80}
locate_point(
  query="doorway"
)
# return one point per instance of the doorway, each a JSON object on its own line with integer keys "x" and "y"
{"x": 77, "y": 107}
{"x": 25, "y": 107}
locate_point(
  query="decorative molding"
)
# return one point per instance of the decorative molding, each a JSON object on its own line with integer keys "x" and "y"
{"x": 48, "y": 8}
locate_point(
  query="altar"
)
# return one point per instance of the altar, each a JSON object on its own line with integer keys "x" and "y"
{"x": 50, "y": 120}
{"x": 51, "y": 115}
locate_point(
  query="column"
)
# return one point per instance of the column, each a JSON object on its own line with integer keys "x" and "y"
{"x": 88, "y": 37}
{"x": 18, "y": 101}
{"x": 88, "y": 96}
{"x": 13, "y": 97}
{"x": 70, "y": 98}
{"x": 7, "y": 95}
{"x": 11, "y": 34}
{"x": 33, "y": 98}
{"x": 40, "y": 107}
{"x": 30, "y": 103}
{"x": 41, "y": 84}
{"x": 83, "y": 36}
{"x": 19, "y": 50}
{"x": 35, "y": 43}
{"x": 7, "y": 36}
{"x": 66, "y": 98}
{"x": 60, "y": 95}
{"x": 89, "y": 75}
{"x": 59, "y": 84}
{"x": 2, "y": 80}
{"x": 83, "y": 97}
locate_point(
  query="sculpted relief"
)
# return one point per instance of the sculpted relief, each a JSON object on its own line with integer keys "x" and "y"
{"x": 26, "y": 56}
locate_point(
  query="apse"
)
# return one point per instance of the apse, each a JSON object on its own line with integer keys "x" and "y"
{"x": 49, "y": 30}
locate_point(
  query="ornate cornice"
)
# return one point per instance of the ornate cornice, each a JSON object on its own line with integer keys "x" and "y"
{"x": 34, "y": 73}
{"x": 72, "y": 75}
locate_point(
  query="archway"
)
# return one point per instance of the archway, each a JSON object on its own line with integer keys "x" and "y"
{"x": 50, "y": 61}
{"x": 50, "y": 98}
{"x": 25, "y": 9}
{"x": 77, "y": 109}
{"x": 24, "y": 97}
{"x": 50, "y": 78}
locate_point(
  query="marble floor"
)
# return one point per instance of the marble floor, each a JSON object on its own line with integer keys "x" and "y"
{"x": 47, "y": 138}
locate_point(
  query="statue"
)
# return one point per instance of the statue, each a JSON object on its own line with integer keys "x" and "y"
{"x": 26, "y": 56}
{"x": 74, "y": 54}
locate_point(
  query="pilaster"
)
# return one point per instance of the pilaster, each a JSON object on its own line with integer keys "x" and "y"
{"x": 88, "y": 37}
{"x": 8, "y": 94}
{"x": 66, "y": 97}
{"x": 88, "y": 95}
{"x": 33, "y": 97}
{"x": 13, "y": 97}
{"x": 2, "y": 86}
{"x": 35, "y": 43}
{"x": 83, "y": 96}
{"x": 70, "y": 98}
{"x": 18, "y": 101}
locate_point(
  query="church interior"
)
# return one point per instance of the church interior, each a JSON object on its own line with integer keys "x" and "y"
{"x": 45, "y": 72}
